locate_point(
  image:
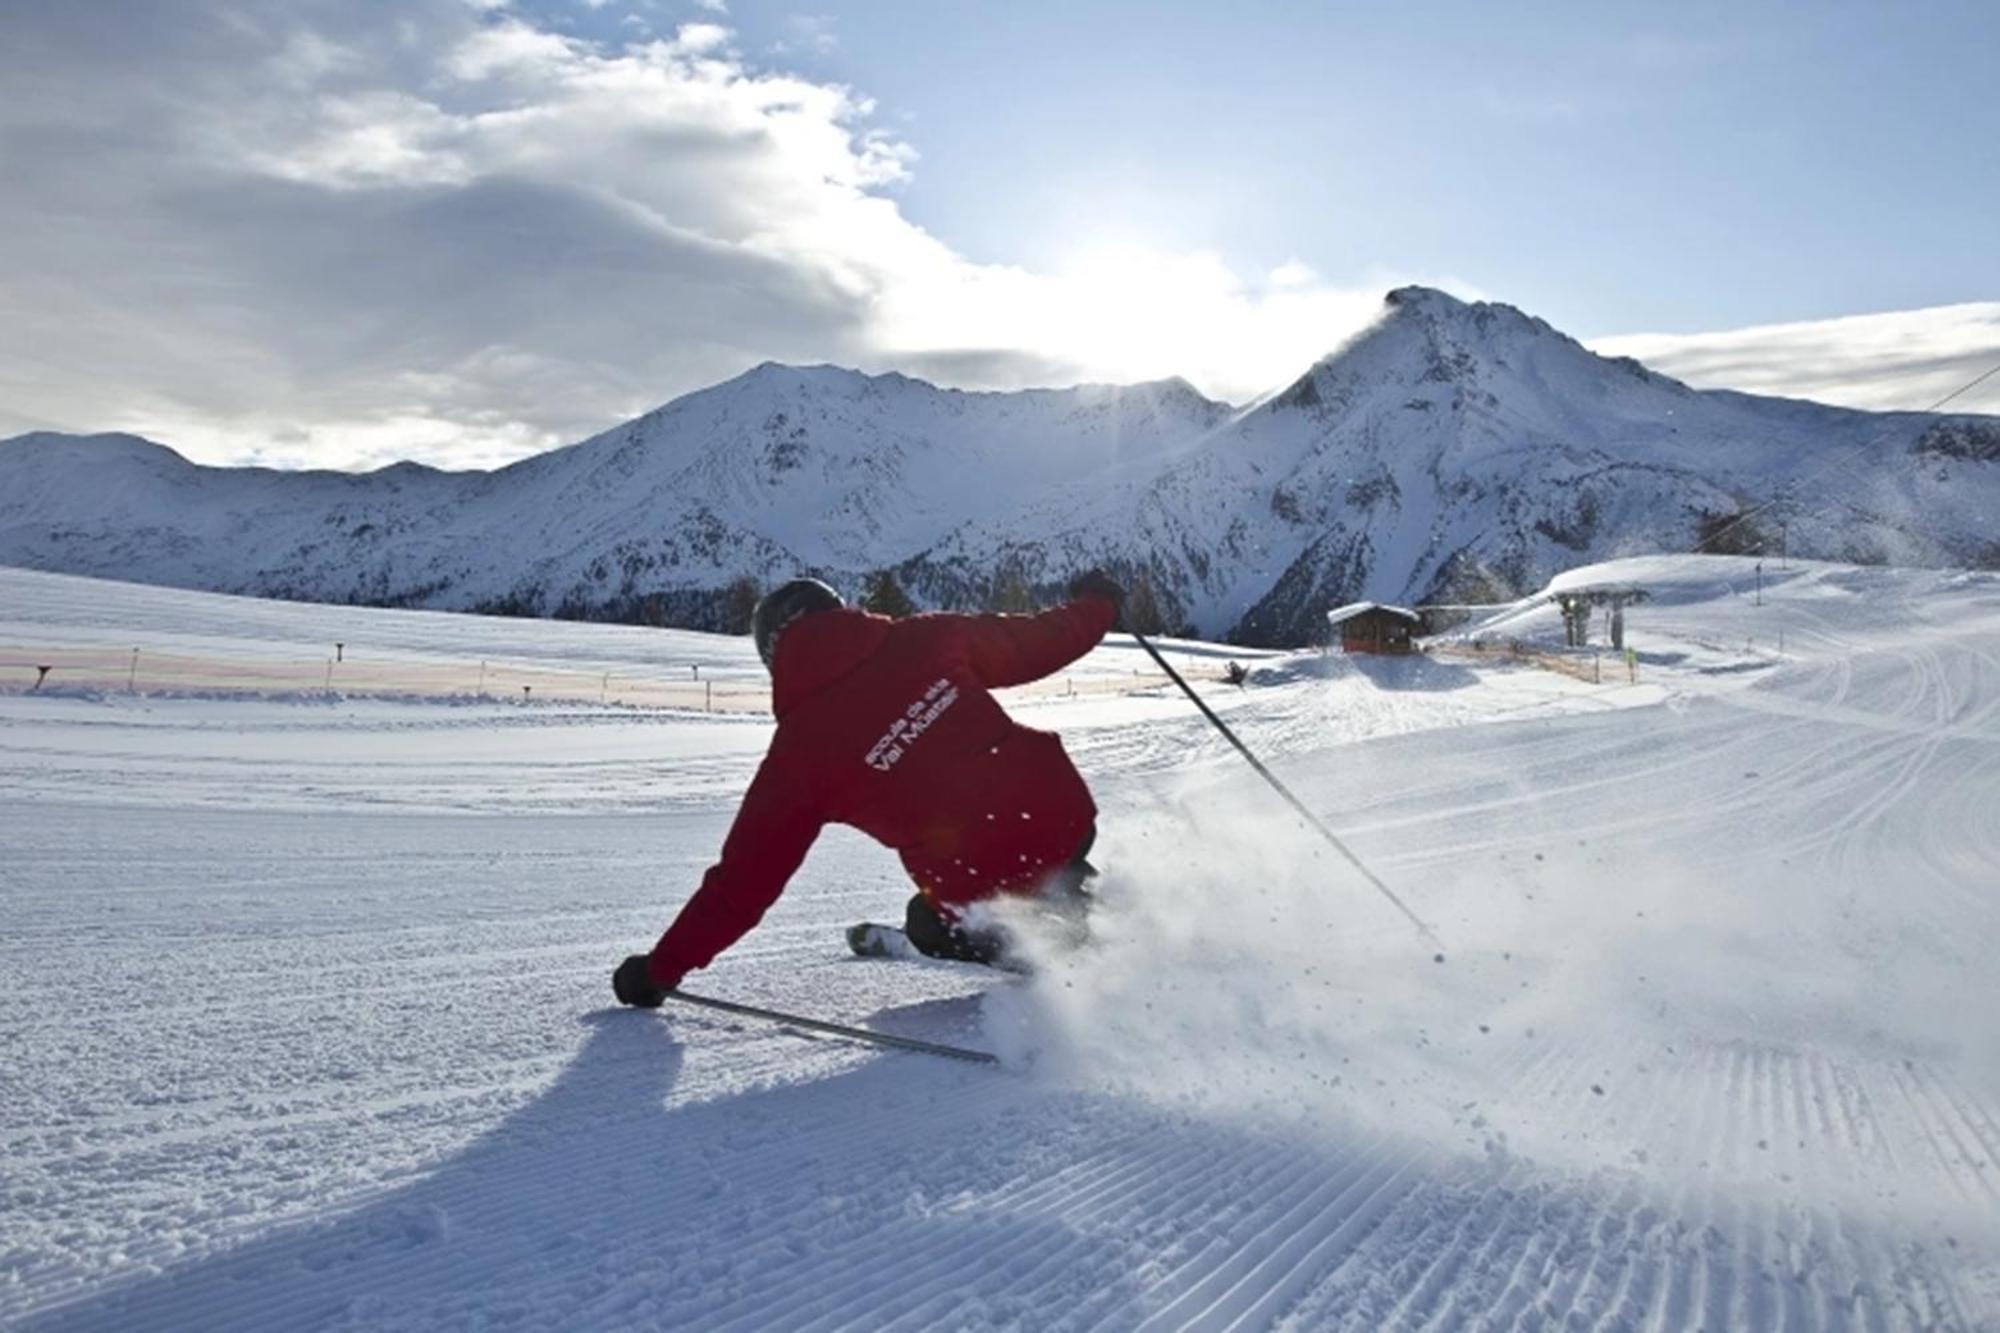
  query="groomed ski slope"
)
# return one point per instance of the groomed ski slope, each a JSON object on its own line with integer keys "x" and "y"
{"x": 305, "y": 1019}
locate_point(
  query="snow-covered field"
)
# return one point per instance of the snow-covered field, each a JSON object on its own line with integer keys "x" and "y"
{"x": 305, "y": 1021}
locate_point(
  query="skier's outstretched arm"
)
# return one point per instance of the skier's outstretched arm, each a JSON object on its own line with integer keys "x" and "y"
{"x": 1013, "y": 650}
{"x": 774, "y": 829}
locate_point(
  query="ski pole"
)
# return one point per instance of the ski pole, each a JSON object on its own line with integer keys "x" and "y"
{"x": 1286, "y": 792}
{"x": 838, "y": 1029}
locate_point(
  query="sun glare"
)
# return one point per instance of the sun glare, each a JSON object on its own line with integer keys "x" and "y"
{"x": 1123, "y": 308}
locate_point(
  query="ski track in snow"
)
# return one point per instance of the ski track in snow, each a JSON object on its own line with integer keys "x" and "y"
{"x": 306, "y": 1020}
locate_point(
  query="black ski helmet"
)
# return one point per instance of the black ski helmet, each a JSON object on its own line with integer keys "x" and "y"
{"x": 782, "y": 605}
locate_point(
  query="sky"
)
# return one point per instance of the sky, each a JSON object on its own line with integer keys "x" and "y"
{"x": 309, "y": 233}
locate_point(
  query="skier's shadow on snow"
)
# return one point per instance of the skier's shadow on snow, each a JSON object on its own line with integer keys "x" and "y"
{"x": 529, "y": 1193}
{"x": 597, "y": 1205}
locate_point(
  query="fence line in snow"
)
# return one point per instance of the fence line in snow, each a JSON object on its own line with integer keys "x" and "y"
{"x": 1595, "y": 666}
{"x": 351, "y": 671}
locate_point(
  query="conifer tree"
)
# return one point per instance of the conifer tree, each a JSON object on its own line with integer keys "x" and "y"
{"x": 1010, "y": 593}
{"x": 740, "y": 604}
{"x": 1142, "y": 607}
{"x": 885, "y": 596}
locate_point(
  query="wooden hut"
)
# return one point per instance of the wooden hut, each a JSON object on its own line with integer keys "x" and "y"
{"x": 1371, "y": 627}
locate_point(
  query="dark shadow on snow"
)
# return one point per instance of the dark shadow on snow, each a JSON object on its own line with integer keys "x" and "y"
{"x": 452, "y": 1229}
{"x": 600, "y": 1205}
{"x": 954, "y": 1019}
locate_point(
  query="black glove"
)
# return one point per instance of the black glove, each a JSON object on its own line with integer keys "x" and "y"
{"x": 1097, "y": 583}
{"x": 633, "y": 984}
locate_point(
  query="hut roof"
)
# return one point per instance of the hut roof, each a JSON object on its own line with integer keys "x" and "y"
{"x": 1599, "y": 593}
{"x": 1353, "y": 609}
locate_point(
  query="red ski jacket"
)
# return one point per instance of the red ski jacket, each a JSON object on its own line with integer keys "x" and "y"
{"x": 890, "y": 726}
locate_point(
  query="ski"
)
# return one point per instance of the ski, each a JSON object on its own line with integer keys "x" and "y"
{"x": 838, "y": 1029}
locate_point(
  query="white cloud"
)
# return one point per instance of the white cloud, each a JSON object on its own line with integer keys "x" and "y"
{"x": 480, "y": 237}
{"x": 285, "y": 230}
{"x": 1292, "y": 275}
{"x": 372, "y": 139}
{"x": 1904, "y": 360}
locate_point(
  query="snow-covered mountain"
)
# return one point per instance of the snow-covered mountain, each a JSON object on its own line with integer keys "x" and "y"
{"x": 1452, "y": 450}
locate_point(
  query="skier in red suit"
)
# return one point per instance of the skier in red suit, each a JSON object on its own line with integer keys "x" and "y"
{"x": 890, "y": 726}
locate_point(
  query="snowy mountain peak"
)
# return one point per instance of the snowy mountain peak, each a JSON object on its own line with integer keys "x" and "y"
{"x": 1428, "y": 344}
{"x": 1452, "y": 450}
{"x": 780, "y": 377}
{"x": 1173, "y": 393}
{"x": 1428, "y": 300}
{"x": 1446, "y": 316}
{"x": 108, "y": 446}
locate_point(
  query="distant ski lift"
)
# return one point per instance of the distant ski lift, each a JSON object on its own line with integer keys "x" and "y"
{"x": 1578, "y": 602}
